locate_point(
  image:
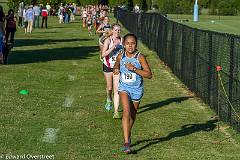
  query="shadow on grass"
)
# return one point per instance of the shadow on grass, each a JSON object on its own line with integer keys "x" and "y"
{"x": 44, "y": 55}
{"x": 184, "y": 131}
{"x": 34, "y": 42}
{"x": 157, "y": 105}
{"x": 53, "y": 27}
{"x": 76, "y": 21}
{"x": 48, "y": 27}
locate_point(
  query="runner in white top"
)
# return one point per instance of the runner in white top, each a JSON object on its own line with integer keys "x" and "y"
{"x": 84, "y": 18}
{"x": 111, "y": 47}
{"x": 104, "y": 30}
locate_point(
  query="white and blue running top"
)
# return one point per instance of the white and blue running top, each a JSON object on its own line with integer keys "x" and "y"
{"x": 130, "y": 81}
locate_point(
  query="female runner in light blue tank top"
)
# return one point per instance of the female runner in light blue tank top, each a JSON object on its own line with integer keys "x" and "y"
{"x": 133, "y": 67}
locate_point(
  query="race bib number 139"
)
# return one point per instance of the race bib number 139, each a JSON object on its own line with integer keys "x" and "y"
{"x": 128, "y": 77}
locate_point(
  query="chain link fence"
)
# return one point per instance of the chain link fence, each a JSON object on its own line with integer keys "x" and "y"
{"x": 193, "y": 55}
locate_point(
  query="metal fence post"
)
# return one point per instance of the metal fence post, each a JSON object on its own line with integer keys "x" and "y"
{"x": 139, "y": 26}
{"x": 231, "y": 69}
{"x": 211, "y": 68}
{"x": 136, "y": 25}
{"x": 173, "y": 42}
{"x": 194, "y": 72}
{"x": 183, "y": 51}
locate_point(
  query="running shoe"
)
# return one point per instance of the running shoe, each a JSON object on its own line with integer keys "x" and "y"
{"x": 116, "y": 115}
{"x": 108, "y": 106}
{"x": 126, "y": 148}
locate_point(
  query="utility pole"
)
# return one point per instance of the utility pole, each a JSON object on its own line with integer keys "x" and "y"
{"x": 195, "y": 12}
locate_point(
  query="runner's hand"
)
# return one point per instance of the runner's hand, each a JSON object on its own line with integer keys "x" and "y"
{"x": 116, "y": 71}
{"x": 130, "y": 66}
{"x": 100, "y": 58}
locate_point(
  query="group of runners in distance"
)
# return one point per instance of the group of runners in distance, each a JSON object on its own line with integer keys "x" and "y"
{"x": 92, "y": 16}
{"x": 124, "y": 68}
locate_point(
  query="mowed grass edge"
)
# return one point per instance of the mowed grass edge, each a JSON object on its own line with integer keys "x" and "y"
{"x": 222, "y": 24}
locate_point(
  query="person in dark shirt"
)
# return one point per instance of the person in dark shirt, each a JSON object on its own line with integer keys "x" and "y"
{"x": 2, "y": 33}
{"x": 10, "y": 26}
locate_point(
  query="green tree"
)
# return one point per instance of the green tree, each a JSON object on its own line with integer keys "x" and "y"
{"x": 227, "y": 7}
{"x": 148, "y": 4}
{"x": 168, "y": 6}
{"x": 236, "y": 3}
{"x": 184, "y": 7}
{"x": 113, "y": 3}
{"x": 130, "y": 4}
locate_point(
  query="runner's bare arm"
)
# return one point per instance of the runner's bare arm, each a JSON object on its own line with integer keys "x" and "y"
{"x": 106, "y": 50}
{"x": 99, "y": 29}
{"x": 116, "y": 68}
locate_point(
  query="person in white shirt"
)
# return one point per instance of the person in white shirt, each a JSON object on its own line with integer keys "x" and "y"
{"x": 136, "y": 9}
{"x": 30, "y": 18}
{"x": 84, "y": 18}
{"x": 60, "y": 14}
{"x": 48, "y": 7}
{"x": 20, "y": 14}
{"x": 36, "y": 11}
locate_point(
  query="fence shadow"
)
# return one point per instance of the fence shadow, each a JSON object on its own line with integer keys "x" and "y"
{"x": 44, "y": 55}
{"x": 184, "y": 131}
{"x": 157, "y": 105}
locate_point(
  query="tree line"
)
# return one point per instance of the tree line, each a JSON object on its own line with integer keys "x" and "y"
{"x": 214, "y": 7}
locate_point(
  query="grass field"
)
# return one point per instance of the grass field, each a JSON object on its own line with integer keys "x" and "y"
{"x": 224, "y": 24}
{"x": 63, "y": 113}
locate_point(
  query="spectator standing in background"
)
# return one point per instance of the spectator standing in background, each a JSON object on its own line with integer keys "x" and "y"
{"x": 44, "y": 17}
{"x": 67, "y": 14}
{"x": 71, "y": 7}
{"x": 136, "y": 8}
{"x": 74, "y": 11}
{"x": 25, "y": 21}
{"x": 30, "y": 18}
{"x": 20, "y": 14}
{"x": 37, "y": 11}
{"x": 61, "y": 13}
{"x": 2, "y": 21}
{"x": 2, "y": 33}
{"x": 41, "y": 7}
{"x": 10, "y": 26}
{"x": 48, "y": 7}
